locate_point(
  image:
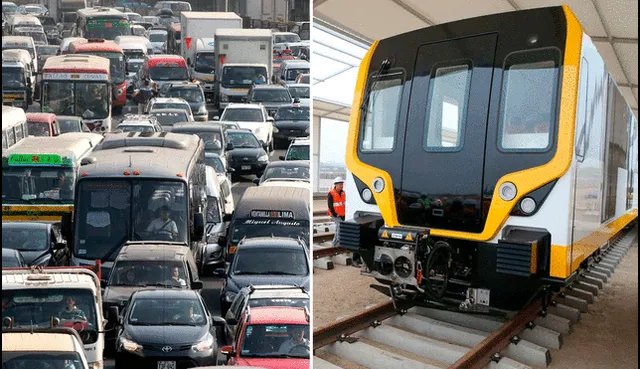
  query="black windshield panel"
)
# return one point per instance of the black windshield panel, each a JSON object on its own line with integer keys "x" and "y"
{"x": 167, "y": 311}
{"x": 272, "y": 261}
{"x": 243, "y": 115}
{"x": 291, "y": 113}
{"x": 171, "y": 273}
{"x": 243, "y": 140}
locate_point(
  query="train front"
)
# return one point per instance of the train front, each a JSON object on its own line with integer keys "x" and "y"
{"x": 459, "y": 141}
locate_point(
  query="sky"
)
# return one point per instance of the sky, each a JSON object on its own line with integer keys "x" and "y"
{"x": 333, "y": 141}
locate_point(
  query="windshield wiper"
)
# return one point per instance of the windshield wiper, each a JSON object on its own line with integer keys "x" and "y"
{"x": 165, "y": 285}
{"x": 126, "y": 285}
{"x": 272, "y": 272}
{"x": 289, "y": 356}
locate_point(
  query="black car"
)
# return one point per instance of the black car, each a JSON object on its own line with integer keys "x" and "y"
{"x": 69, "y": 123}
{"x": 271, "y": 97}
{"x": 171, "y": 326}
{"x": 265, "y": 261}
{"x": 41, "y": 244}
{"x": 212, "y": 133}
{"x": 285, "y": 171}
{"x": 192, "y": 93}
{"x": 141, "y": 265}
{"x": 248, "y": 156}
{"x": 291, "y": 122}
{"x": 12, "y": 259}
{"x": 50, "y": 29}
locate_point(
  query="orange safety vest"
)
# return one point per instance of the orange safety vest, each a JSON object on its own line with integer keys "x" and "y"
{"x": 339, "y": 202}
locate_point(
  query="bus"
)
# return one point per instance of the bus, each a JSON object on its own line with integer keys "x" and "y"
{"x": 120, "y": 196}
{"x": 101, "y": 22}
{"x": 113, "y": 52}
{"x": 78, "y": 85}
{"x": 14, "y": 126}
{"x": 39, "y": 175}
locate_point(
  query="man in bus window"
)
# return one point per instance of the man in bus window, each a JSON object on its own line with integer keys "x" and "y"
{"x": 65, "y": 186}
{"x": 163, "y": 224}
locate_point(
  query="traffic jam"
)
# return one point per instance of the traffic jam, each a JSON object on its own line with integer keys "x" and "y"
{"x": 155, "y": 187}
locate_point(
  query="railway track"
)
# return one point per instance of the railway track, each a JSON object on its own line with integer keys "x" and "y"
{"x": 417, "y": 337}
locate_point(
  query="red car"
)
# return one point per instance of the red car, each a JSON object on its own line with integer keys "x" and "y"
{"x": 271, "y": 337}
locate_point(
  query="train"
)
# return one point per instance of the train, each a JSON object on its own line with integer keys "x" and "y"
{"x": 489, "y": 160}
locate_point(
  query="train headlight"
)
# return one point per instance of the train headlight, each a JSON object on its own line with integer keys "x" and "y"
{"x": 367, "y": 195}
{"x": 508, "y": 191}
{"x": 528, "y": 205}
{"x": 378, "y": 185}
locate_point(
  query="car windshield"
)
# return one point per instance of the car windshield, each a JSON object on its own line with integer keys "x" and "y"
{"x": 298, "y": 152}
{"x": 212, "y": 139}
{"x": 110, "y": 212}
{"x": 241, "y": 76}
{"x": 38, "y": 129}
{"x": 279, "y": 39}
{"x": 243, "y": 115}
{"x": 269, "y": 261}
{"x": 271, "y": 95}
{"x": 81, "y": 99}
{"x": 280, "y": 172}
{"x": 190, "y": 94}
{"x": 9, "y": 8}
{"x": 12, "y": 78}
{"x": 243, "y": 140}
{"x": 205, "y": 62}
{"x": 293, "y": 113}
{"x": 167, "y": 311}
{"x": 34, "y": 307}
{"x": 47, "y": 21}
{"x": 215, "y": 162}
{"x": 276, "y": 227}
{"x": 158, "y": 37}
{"x": 69, "y": 125}
{"x": 168, "y": 73}
{"x": 276, "y": 340}
{"x": 41, "y": 360}
{"x": 46, "y": 50}
{"x": 300, "y": 92}
{"x": 134, "y": 17}
{"x": 292, "y": 74}
{"x": 171, "y": 105}
{"x": 161, "y": 273}
{"x": 134, "y": 54}
{"x": 136, "y": 128}
{"x": 38, "y": 37}
{"x": 37, "y": 185}
{"x": 106, "y": 28}
{"x": 25, "y": 239}
{"x": 133, "y": 65}
{"x": 116, "y": 64}
{"x": 280, "y": 301}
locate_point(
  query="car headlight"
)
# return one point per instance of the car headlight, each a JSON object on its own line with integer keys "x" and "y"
{"x": 229, "y": 296}
{"x": 42, "y": 261}
{"x": 263, "y": 158}
{"x": 204, "y": 345}
{"x": 130, "y": 345}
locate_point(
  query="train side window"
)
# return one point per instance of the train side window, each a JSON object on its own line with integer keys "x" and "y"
{"x": 447, "y": 107}
{"x": 529, "y": 100}
{"x": 382, "y": 112}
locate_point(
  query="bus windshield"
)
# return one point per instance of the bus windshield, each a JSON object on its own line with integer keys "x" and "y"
{"x": 38, "y": 185}
{"x": 168, "y": 74}
{"x": 69, "y": 17}
{"x": 242, "y": 76}
{"x": 34, "y": 307}
{"x": 275, "y": 227}
{"x": 12, "y": 78}
{"x": 107, "y": 28}
{"x": 116, "y": 64}
{"x": 111, "y": 212}
{"x": 82, "y": 99}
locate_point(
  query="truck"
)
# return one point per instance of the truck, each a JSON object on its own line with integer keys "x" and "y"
{"x": 244, "y": 57}
{"x": 64, "y": 11}
{"x": 268, "y": 10}
{"x": 203, "y": 25}
{"x": 34, "y": 298}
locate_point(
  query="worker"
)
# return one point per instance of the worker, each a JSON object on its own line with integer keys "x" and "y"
{"x": 336, "y": 202}
{"x": 143, "y": 95}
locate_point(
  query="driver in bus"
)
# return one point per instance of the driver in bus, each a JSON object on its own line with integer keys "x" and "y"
{"x": 94, "y": 100}
{"x": 65, "y": 187}
{"x": 71, "y": 311}
{"x": 163, "y": 224}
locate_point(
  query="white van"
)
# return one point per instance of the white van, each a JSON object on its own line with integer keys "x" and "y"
{"x": 23, "y": 43}
{"x": 217, "y": 206}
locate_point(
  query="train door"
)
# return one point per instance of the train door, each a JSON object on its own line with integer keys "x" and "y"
{"x": 444, "y": 143}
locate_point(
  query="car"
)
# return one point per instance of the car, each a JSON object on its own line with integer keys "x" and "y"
{"x": 69, "y": 123}
{"x": 169, "y": 103}
{"x": 12, "y": 259}
{"x": 263, "y": 295}
{"x": 50, "y": 28}
{"x": 64, "y": 44}
{"x": 290, "y": 173}
{"x": 253, "y": 117}
{"x": 171, "y": 327}
{"x": 158, "y": 38}
{"x": 303, "y": 78}
{"x": 220, "y": 166}
{"x": 150, "y": 19}
{"x": 291, "y": 122}
{"x": 290, "y": 69}
{"x": 140, "y": 123}
{"x": 230, "y": 125}
{"x": 284, "y": 38}
{"x": 133, "y": 17}
{"x": 248, "y": 156}
{"x": 272, "y": 337}
{"x": 211, "y": 133}
{"x": 298, "y": 150}
{"x": 301, "y": 91}
{"x": 221, "y": 171}
{"x": 218, "y": 208}
{"x": 44, "y": 52}
{"x": 41, "y": 244}
{"x": 192, "y": 93}
{"x": 264, "y": 261}
{"x": 167, "y": 118}
{"x": 139, "y": 30}
{"x": 271, "y": 97}
{"x": 146, "y": 265}
{"x": 32, "y": 9}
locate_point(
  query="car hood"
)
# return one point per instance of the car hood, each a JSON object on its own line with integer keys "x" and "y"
{"x": 114, "y": 295}
{"x": 246, "y": 153}
{"x": 291, "y": 124}
{"x": 31, "y": 256}
{"x": 244, "y": 280}
{"x": 165, "y": 334}
{"x": 275, "y": 363}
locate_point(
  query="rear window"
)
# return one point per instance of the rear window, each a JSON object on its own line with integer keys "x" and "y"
{"x": 527, "y": 119}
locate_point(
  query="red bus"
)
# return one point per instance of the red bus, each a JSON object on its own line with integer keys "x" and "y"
{"x": 117, "y": 66}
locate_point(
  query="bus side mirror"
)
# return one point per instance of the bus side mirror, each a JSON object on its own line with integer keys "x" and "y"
{"x": 197, "y": 285}
{"x": 198, "y": 227}
{"x": 113, "y": 313}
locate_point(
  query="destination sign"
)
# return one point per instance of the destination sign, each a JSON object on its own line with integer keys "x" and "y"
{"x": 272, "y": 214}
{"x": 76, "y": 76}
{"x": 108, "y": 23}
{"x": 38, "y": 159}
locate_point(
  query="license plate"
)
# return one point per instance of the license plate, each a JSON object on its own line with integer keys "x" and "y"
{"x": 245, "y": 167}
{"x": 166, "y": 365}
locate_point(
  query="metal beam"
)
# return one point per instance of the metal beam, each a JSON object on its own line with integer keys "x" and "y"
{"x": 320, "y": 80}
{"x": 513, "y": 4}
{"x": 414, "y": 12}
{"x": 317, "y": 3}
{"x": 336, "y": 59}
{"x": 316, "y": 42}
{"x": 615, "y": 40}
{"x": 330, "y": 26}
